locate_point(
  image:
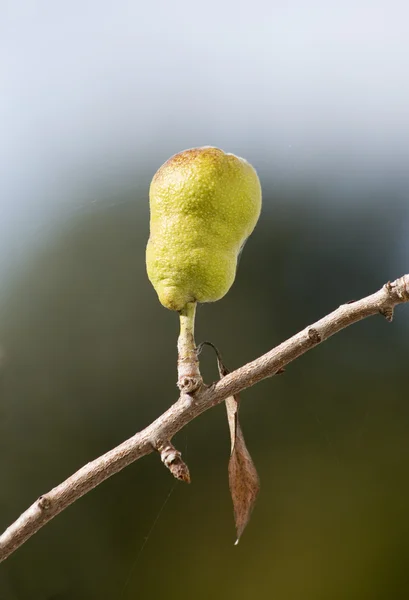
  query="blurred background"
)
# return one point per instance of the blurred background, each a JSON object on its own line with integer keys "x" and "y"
{"x": 95, "y": 97}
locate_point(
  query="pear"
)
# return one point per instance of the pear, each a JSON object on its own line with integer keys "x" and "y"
{"x": 204, "y": 204}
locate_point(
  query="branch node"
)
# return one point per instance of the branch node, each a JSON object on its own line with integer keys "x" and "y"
{"x": 189, "y": 384}
{"x": 314, "y": 336}
{"x": 172, "y": 459}
{"x": 387, "y": 313}
{"x": 44, "y": 502}
{"x": 402, "y": 288}
{"x": 398, "y": 289}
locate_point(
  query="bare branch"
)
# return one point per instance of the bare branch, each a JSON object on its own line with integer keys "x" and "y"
{"x": 158, "y": 434}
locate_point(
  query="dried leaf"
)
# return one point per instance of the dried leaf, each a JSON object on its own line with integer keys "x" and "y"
{"x": 243, "y": 478}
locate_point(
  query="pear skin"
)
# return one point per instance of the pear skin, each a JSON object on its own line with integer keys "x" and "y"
{"x": 204, "y": 204}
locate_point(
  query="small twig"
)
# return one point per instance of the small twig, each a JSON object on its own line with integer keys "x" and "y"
{"x": 187, "y": 408}
{"x": 172, "y": 459}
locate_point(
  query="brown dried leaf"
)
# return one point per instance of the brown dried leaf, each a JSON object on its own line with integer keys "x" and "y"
{"x": 243, "y": 478}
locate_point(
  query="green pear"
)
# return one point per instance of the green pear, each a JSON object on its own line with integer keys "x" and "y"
{"x": 204, "y": 204}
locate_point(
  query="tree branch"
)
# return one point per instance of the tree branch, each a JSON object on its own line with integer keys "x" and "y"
{"x": 157, "y": 436}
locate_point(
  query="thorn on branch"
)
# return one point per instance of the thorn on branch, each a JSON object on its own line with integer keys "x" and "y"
{"x": 172, "y": 459}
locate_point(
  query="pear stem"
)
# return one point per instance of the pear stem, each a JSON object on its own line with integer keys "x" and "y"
{"x": 189, "y": 378}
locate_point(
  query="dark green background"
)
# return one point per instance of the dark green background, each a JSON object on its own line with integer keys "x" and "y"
{"x": 89, "y": 358}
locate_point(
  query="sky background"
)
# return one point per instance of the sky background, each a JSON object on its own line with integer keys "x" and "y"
{"x": 96, "y": 93}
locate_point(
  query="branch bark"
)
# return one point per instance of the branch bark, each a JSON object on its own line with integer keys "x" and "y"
{"x": 157, "y": 436}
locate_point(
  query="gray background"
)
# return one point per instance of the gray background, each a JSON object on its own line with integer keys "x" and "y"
{"x": 95, "y": 97}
